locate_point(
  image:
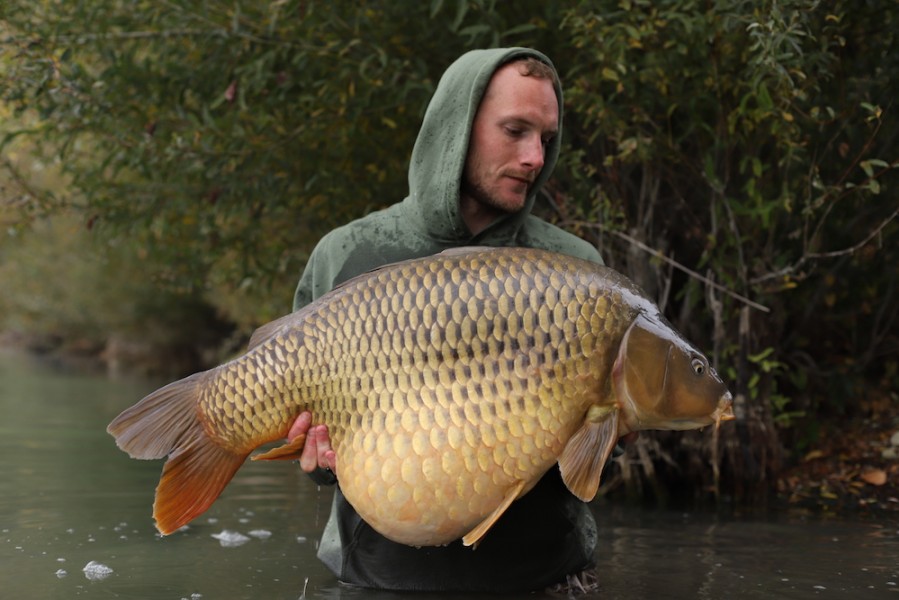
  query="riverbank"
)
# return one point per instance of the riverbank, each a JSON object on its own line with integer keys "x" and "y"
{"x": 852, "y": 469}
{"x": 117, "y": 354}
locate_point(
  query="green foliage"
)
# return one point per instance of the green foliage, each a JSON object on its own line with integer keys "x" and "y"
{"x": 223, "y": 138}
{"x": 751, "y": 142}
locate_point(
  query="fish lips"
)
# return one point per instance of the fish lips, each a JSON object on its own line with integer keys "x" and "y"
{"x": 725, "y": 410}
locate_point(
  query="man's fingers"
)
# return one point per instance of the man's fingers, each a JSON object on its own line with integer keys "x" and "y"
{"x": 327, "y": 458}
{"x": 317, "y": 452}
{"x": 300, "y": 426}
{"x": 309, "y": 459}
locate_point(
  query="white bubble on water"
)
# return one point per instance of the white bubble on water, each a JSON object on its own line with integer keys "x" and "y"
{"x": 261, "y": 534}
{"x": 60, "y": 573}
{"x": 96, "y": 571}
{"x": 302, "y": 539}
{"x": 231, "y": 539}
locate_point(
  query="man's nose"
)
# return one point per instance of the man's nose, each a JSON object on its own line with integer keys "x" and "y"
{"x": 532, "y": 152}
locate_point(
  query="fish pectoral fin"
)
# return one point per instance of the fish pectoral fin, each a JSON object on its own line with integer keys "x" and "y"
{"x": 473, "y": 537}
{"x": 587, "y": 451}
{"x": 289, "y": 451}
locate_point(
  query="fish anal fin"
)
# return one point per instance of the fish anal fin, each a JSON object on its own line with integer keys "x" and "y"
{"x": 586, "y": 453}
{"x": 289, "y": 451}
{"x": 473, "y": 537}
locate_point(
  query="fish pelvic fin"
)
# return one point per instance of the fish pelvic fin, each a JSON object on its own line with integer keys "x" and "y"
{"x": 473, "y": 537}
{"x": 166, "y": 424}
{"x": 586, "y": 453}
{"x": 289, "y": 451}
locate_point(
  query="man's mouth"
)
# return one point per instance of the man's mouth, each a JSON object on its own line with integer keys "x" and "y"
{"x": 523, "y": 178}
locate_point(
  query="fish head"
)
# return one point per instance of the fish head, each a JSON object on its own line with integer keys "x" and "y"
{"x": 662, "y": 382}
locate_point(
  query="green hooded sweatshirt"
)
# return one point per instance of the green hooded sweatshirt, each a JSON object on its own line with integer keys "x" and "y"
{"x": 547, "y": 534}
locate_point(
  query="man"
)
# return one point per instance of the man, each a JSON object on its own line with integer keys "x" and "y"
{"x": 489, "y": 140}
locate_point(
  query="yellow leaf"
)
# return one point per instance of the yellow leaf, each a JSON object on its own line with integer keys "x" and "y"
{"x": 814, "y": 454}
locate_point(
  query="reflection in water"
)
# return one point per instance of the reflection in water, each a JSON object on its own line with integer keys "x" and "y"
{"x": 70, "y": 498}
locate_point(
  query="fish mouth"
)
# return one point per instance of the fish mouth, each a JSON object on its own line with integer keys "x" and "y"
{"x": 725, "y": 410}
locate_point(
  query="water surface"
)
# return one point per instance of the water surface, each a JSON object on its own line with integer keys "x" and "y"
{"x": 70, "y": 498}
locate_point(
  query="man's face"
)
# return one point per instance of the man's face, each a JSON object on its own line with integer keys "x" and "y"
{"x": 517, "y": 118}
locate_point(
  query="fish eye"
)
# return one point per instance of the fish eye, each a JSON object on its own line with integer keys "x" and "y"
{"x": 698, "y": 366}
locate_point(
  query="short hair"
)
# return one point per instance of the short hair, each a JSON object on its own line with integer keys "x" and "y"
{"x": 529, "y": 66}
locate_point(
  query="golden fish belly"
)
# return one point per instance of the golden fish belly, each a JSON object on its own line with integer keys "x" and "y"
{"x": 443, "y": 384}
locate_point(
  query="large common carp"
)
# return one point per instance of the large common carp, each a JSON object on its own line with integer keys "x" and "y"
{"x": 449, "y": 385}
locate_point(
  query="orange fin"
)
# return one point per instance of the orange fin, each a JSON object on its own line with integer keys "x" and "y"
{"x": 193, "y": 478}
{"x": 587, "y": 451}
{"x": 166, "y": 423}
{"x": 473, "y": 537}
{"x": 289, "y": 451}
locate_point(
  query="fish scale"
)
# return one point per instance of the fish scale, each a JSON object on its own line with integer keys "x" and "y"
{"x": 449, "y": 385}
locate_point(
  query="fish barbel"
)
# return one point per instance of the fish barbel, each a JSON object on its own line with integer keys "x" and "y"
{"x": 449, "y": 385}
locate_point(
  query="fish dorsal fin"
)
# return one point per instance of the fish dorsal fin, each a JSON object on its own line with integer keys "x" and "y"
{"x": 462, "y": 250}
{"x": 268, "y": 330}
{"x": 587, "y": 451}
{"x": 473, "y": 537}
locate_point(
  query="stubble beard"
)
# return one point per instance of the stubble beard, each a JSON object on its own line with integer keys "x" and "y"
{"x": 485, "y": 199}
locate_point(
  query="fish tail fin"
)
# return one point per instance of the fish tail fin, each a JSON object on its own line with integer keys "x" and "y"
{"x": 165, "y": 424}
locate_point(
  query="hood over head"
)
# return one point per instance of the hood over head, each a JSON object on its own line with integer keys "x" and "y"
{"x": 438, "y": 158}
{"x": 429, "y": 220}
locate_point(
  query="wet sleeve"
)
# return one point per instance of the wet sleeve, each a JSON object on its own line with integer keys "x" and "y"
{"x": 319, "y": 275}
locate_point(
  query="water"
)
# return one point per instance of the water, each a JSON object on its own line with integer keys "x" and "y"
{"x": 75, "y": 522}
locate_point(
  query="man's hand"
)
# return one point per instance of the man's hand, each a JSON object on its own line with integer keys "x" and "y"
{"x": 317, "y": 453}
